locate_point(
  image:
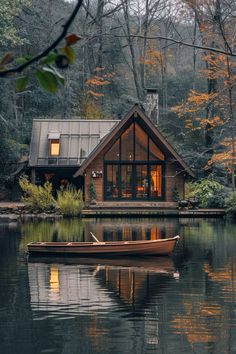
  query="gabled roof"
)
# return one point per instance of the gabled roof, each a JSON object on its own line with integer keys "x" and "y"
{"x": 162, "y": 142}
{"x": 78, "y": 137}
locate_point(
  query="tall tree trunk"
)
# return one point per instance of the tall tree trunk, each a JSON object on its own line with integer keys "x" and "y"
{"x": 232, "y": 126}
{"x": 130, "y": 41}
{"x": 213, "y": 26}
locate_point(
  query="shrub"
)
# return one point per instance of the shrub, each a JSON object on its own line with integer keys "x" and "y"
{"x": 37, "y": 198}
{"x": 190, "y": 190}
{"x": 209, "y": 193}
{"x": 217, "y": 200}
{"x": 230, "y": 204}
{"x": 70, "y": 201}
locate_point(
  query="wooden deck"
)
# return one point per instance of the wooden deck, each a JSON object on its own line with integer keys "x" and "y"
{"x": 147, "y": 209}
{"x": 133, "y": 205}
{"x": 9, "y": 211}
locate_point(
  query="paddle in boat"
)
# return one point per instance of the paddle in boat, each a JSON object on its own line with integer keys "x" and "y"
{"x": 115, "y": 248}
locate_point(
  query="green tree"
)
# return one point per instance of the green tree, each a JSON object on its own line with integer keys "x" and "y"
{"x": 10, "y": 9}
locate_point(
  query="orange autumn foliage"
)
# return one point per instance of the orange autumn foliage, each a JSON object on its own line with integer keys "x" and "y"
{"x": 212, "y": 123}
{"x": 97, "y": 81}
{"x": 226, "y": 276}
{"x": 191, "y": 109}
{"x": 198, "y": 319}
{"x": 95, "y": 94}
{"x": 154, "y": 58}
{"x": 207, "y": 111}
{"x": 192, "y": 322}
{"x": 226, "y": 157}
{"x": 195, "y": 101}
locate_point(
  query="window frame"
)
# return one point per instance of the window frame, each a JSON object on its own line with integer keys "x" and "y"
{"x": 148, "y": 163}
{"x": 134, "y": 184}
{"x": 51, "y": 141}
{"x": 119, "y": 141}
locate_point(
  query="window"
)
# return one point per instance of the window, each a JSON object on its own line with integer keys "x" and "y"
{"x": 154, "y": 152}
{"x": 112, "y": 181}
{"x": 141, "y": 144}
{"x": 126, "y": 181}
{"x": 114, "y": 152}
{"x": 156, "y": 181}
{"x": 134, "y": 167}
{"x": 54, "y": 147}
{"x": 54, "y": 143}
{"x": 141, "y": 185}
{"x": 127, "y": 144}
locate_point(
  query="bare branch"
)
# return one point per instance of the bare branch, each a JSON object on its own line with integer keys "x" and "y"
{"x": 181, "y": 42}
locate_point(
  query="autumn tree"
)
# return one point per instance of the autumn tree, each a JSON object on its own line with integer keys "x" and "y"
{"x": 212, "y": 112}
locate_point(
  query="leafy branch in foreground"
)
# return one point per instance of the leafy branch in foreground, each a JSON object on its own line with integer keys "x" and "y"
{"x": 47, "y": 61}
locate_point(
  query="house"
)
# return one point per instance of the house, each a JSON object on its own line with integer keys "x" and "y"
{"x": 124, "y": 160}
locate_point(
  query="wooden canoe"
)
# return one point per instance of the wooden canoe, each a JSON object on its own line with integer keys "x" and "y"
{"x": 118, "y": 248}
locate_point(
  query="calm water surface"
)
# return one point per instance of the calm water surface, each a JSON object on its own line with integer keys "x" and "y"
{"x": 183, "y": 304}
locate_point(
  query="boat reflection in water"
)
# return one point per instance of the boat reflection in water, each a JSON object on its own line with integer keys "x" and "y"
{"x": 73, "y": 286}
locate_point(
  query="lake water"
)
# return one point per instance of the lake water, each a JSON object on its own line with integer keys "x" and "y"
{"x": 182, "y": 304}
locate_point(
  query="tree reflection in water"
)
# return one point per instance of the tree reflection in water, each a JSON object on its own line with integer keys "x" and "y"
{"x": 131, "y": 303}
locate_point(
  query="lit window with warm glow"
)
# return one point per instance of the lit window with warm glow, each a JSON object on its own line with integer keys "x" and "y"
{"x": 54, "y": 279}
{"x": 54, "y": 147}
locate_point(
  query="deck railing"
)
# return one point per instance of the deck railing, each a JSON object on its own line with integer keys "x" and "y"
{"x": 60, "y": 161}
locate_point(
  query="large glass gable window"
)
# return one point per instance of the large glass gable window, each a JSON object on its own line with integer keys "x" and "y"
{"x": 154, "y": 152}
{"x": 134, "y": 144}
{"x": 127, "y": 144}
{"x": 134, "y": 166}
{"x": 141, "y": 144}
{"x": 113, "y": 153}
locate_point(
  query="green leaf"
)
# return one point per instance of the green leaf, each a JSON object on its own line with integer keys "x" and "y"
{"x": 55, "y": 72}
{"x": 22, "y": 60}
{"x": 50, "y": 58}
{"x": 69, "y": 53}
{"x": 47, "y": 80}
{"x": 21, "y": 83}
{"x": 62, "y": 80}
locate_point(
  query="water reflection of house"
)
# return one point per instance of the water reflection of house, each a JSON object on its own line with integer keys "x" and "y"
{"x": 61, "y": 288}
{"x": 130, "y": 230}
{"x": 95, "y": 287}
{"x": 101, "y": 292}
{"x": 133, "y": 288}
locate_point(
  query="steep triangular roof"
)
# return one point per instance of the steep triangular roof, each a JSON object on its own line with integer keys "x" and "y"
{"x": 135, "y": 111}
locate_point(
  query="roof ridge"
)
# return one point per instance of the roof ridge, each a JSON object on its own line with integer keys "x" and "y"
{"x": 74, "y": 120}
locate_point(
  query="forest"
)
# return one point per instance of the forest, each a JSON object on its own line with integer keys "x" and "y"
{"x": 183, "y": 48}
